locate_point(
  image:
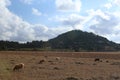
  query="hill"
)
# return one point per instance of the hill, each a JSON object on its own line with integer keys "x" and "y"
{"x": 75, "y": 40}
{"x": 78, "y": 40}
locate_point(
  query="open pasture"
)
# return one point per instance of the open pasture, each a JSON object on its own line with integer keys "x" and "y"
{"x": 60, "y": 65}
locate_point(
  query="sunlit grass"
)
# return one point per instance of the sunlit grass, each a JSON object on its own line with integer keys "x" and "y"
{"x": 4, "y": 70}
{"x": 68, "y": 67}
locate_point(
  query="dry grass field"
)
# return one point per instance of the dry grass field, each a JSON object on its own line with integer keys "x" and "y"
{"x": 60, "y": 65}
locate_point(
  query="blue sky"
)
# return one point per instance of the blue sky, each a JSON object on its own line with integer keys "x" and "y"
{"x": 27, "y": 20}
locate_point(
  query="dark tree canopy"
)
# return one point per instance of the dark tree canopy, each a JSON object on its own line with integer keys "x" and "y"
{"x": 75, "y": 40}
{"x": 78, "y": 40}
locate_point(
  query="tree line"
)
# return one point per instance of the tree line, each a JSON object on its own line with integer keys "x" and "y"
{"x": 11, "y": 45}
{"x": 75, "y": 40}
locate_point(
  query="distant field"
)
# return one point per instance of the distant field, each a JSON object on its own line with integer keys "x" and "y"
{"x": 70, "y": 66}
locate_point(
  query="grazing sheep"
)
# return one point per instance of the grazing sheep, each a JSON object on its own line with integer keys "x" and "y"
{"x": 41, "y": 61}
{"x": 107, "y": 61}
{"x": 57, "y": 58}
{"x": 96, "y": 59}
{"x": 18, "y": 66}
{"x": 46, "y": 56}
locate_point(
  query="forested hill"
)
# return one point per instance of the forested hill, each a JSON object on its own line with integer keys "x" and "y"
{"x": 75, "y": 40}
{"x": 78, "y": 40}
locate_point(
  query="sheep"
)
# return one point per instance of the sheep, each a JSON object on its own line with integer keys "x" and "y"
{"x": 41, "y": 61}
{"x": 107, "y": 61}
{"x": 96, "y": 59}
{"x": 57, "y": 58}
{"x": 46, "y": 56}
{"x": 18, "y": 66}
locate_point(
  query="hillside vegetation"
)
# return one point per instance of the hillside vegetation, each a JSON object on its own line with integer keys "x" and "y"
{"x": 83, "y": 41}
{"x": 75, "y": 40}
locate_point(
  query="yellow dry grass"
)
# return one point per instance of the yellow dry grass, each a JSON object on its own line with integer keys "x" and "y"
{"x": 79, "y": 65}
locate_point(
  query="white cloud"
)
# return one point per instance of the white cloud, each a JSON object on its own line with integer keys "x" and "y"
{"x": 5, "y": 3}
{"x": 55, "y": 31}
{"x": 27, "y": 1}
{"x": 105, "y": 24}
{"x": 117, "y": 2}
{"x": 14, "y": 28}
{"x": 98, "y": 12}
{"x": 73, "y": 20}
{"x": 68, "y": 5}
{"x": 36, "y": 12}
{"x": 112, "y": 3}
{"x": 108, "y": 5}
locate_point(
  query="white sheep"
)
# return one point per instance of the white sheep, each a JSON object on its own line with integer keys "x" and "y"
{"x": 57, "y": 58}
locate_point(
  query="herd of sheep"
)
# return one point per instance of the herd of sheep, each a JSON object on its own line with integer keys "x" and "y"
{"x": 62, "y": 61}
{"x": 20, "y": 66}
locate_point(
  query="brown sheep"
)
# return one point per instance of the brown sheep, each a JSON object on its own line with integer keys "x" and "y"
{"x": 18, "y": 66}
{"x": 96, "y": 59}
{"x": 41, "y": 61}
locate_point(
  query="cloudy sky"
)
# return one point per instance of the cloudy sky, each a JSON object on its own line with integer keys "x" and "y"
{"x": 27, "y": 20}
